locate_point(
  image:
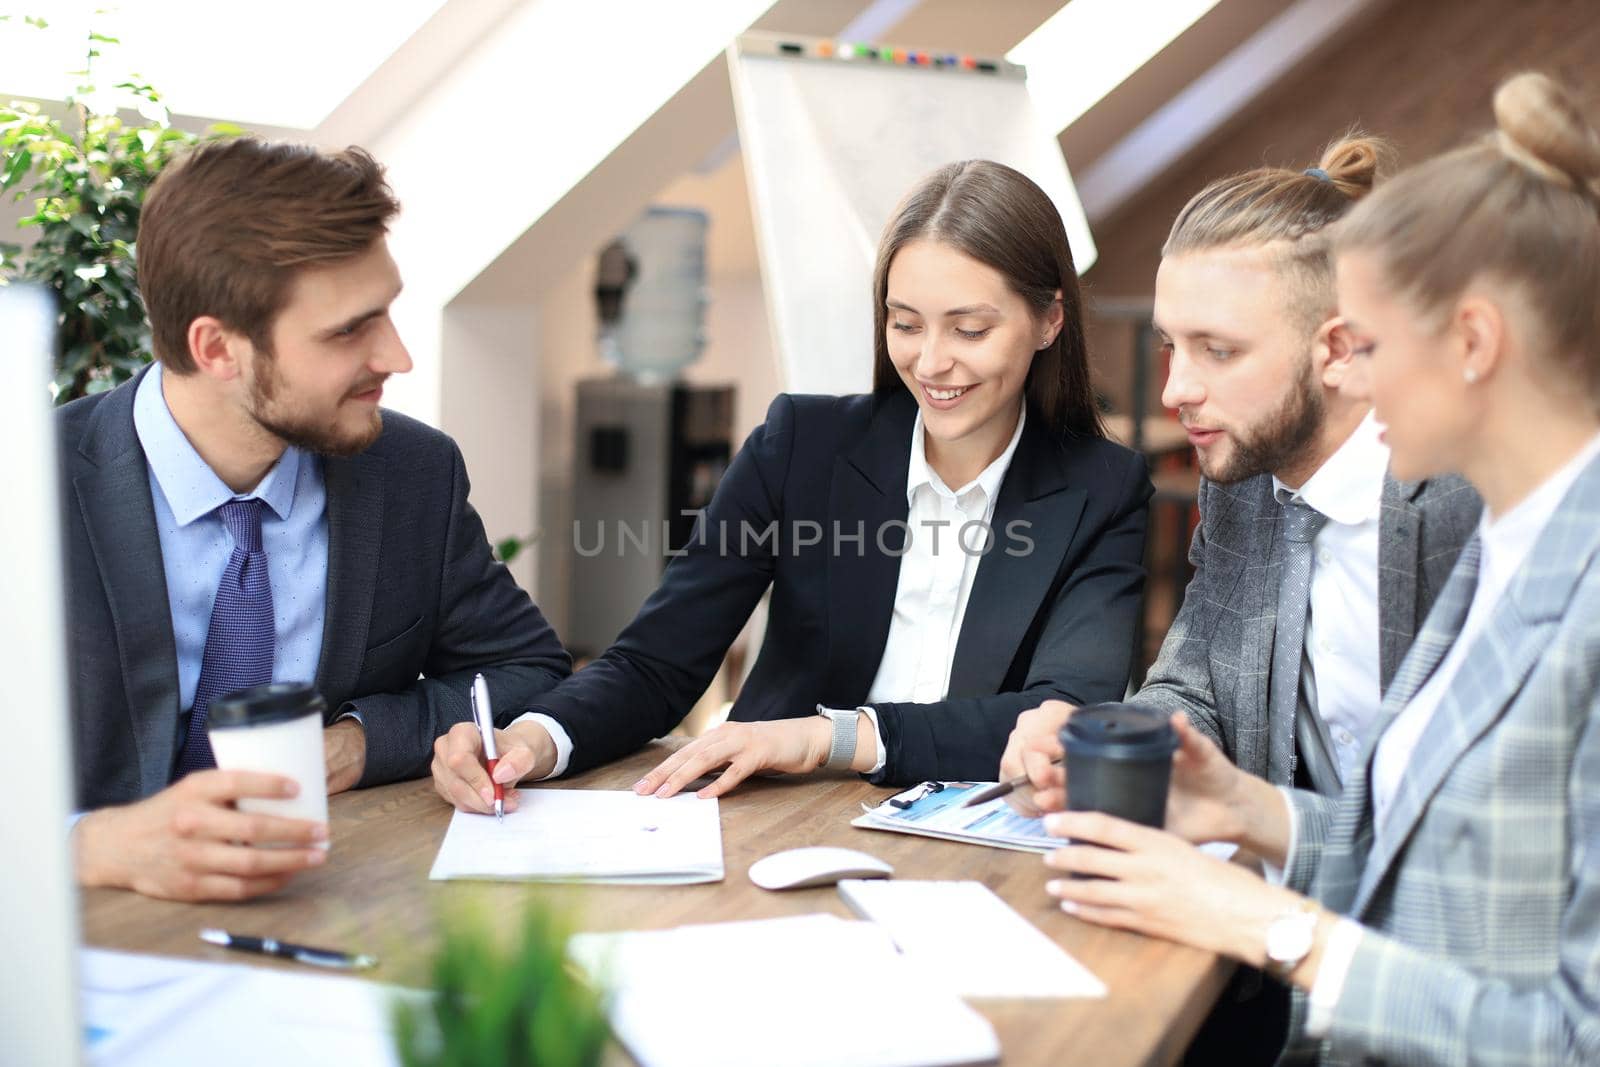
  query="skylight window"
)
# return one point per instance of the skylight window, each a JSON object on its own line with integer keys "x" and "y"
{"x": 288, "y": 63}
{"x": 1090, "y": 47}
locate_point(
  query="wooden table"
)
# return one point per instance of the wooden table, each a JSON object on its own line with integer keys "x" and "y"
{"x": 374, "y": 896}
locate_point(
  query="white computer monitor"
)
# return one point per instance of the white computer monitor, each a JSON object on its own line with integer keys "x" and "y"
{"x": 38, "y": 897}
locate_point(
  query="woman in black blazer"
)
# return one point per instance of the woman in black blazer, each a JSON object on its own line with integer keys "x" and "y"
{"x": 922, "y": 619}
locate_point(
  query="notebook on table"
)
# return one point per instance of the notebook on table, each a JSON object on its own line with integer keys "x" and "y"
{"x": 979, "y": 944}
{"x": 816, "y": 989}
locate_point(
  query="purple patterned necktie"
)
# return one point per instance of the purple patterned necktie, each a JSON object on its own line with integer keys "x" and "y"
{"x": 240, "y": 640}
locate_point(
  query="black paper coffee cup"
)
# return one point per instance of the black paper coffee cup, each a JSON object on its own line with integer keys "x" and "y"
{"x": 1119, "y": 761}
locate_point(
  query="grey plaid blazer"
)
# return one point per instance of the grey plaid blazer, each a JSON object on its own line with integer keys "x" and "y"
{"x": 1216, "y": 661}
{"x": 1482, "y": 897}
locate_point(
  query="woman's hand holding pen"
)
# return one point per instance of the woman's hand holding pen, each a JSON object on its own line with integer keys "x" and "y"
{"x": 459, "y": 774}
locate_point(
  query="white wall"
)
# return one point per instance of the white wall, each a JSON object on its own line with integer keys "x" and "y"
{"x": 738, "y": 352}
{"x": 490, "y": 401}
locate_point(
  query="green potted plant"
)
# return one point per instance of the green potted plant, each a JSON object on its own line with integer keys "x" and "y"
{"x": 87, "y": 176}
{"x": 502, "y": 996}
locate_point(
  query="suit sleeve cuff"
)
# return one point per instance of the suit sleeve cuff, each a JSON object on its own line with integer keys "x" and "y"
{"x": 1328, "y": 985}
{"x": 1274, "y": 874}
{"x": 882, "y": 756}
{"x": 557, "y": 733}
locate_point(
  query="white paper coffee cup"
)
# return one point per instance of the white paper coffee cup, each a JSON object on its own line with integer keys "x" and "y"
{"x": 274, "y": 729}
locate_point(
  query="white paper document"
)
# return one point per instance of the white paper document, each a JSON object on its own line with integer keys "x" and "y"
{"x": 588, "y": 835}
{"x": 975, "y": 942}
{"x": 806, "y": 991}
{"x": 153, "y": 1010}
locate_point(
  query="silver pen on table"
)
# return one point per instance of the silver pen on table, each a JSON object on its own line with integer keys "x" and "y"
{"x": 284, "y": 950}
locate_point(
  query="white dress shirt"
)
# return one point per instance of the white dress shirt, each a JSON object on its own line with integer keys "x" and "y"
{"x": 1342, "y": 630}
{"x": 945, "y": 544}
{"x": 1506, "y": 543}
{"x": 949, "y": 535}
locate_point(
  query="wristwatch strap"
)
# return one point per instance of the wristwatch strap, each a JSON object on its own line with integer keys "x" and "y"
{"x": 842, "y": 750}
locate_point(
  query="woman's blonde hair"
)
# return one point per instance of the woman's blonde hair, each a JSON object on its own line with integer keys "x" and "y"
{"x": 1520, "y": 206}
{"x": 1289, "y": 208}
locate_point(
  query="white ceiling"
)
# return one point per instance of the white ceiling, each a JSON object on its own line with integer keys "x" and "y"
{"x": 287, "y": 64}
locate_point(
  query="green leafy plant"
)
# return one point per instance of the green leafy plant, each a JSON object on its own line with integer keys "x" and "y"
{"x": 87, "y": 177}
{"x": 502, "y": 998}
{"x": 509, "y": 548}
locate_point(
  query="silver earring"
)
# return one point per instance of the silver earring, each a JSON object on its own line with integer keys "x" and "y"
{"x": 1471, "y": 376}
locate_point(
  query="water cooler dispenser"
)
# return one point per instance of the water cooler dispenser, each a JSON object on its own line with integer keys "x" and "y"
{"x": 649, "y": 449}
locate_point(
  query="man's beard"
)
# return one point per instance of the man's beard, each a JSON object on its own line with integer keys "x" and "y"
{"x": 1277, "y": 441}
{"x": 304, "y": 430}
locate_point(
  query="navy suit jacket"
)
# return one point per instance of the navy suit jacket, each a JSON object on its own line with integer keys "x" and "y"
{"x": 413, "y": 590}
{"x": 1052, "y": 611}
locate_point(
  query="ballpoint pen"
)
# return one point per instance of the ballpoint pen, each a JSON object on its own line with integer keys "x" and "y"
{"x": 266, "y": 946}
{"x": 1000, "y": 789}
{"x": 485, "y": 716}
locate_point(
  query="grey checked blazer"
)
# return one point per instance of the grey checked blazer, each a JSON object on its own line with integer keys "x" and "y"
{"x": 1216, "y": 661}
{"x": 1482, "y": 898}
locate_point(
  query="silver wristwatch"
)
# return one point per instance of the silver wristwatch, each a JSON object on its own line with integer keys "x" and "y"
{"x": 842, "y": 752}
{"x": 1290, "y": 938}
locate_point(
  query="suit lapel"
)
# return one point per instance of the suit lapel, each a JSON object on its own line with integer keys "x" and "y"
{"x": 868, "y": 487}
{"x": 1494, "y": 671}
{"x": 1489, "y": 678}
{"x": 1008, "y": 588}
{"x": 1399, "y": 563}
{"x": 1260, "y": 620}
{"x": 355, "y": 540}
{"x": 120, "y": 517}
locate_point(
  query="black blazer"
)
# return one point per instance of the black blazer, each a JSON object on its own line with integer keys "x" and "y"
{"x": 1054, "y": 622}
{"x": 412, "y": 590}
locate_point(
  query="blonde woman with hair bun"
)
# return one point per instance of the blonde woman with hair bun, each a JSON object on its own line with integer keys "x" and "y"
{"x": 1451, "y": 907}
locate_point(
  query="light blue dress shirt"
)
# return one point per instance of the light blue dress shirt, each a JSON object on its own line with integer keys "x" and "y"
{"x": 195, "y": 545}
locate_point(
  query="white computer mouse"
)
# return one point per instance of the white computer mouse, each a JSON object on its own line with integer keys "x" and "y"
{"x": 800, "y": 868}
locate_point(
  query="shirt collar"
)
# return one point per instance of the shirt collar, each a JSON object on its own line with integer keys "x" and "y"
{"x": 191, "y": 487}
{"x": 1508, "y": 539}
{"x": 1348, "y": 487}
{"x": 919, "y": 474}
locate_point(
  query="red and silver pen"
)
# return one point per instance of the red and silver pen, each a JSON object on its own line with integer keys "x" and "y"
{"x": 482, "y": 711}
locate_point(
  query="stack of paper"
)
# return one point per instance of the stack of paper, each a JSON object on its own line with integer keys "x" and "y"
{"x": 974, "y": 940}
{"x": 588, "y": 835}
{"x": 795, "y": 992}
{"x": 150, "y": 1010}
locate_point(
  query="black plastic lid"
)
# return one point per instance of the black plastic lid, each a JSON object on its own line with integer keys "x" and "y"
{"x": 263, "y": 705}
{"x": 1119, "y": 731}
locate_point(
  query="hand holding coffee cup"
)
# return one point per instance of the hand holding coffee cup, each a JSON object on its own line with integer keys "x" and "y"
{"x": 1119, "y": 761}
{"x": 275, "y": 729}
